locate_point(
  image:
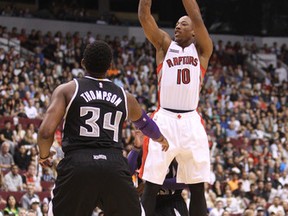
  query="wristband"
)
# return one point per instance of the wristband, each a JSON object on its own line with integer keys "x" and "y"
{"x": 161, "y": 139}
{"x": 148, "y": 126}
{"x": 44, "y": 157}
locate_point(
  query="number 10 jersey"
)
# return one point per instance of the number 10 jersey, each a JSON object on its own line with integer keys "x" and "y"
{"x": 179, "y": 78}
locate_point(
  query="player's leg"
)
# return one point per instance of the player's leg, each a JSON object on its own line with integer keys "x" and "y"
{"x": 149, "y": 197}
{"x": 180, "y": 205}
{"x": 119, "y": 197}
{"x": 75, "y": 190}
{"x": 198, "y": 205}
{"x": 155, "y": 162}
{"x": 194, "y": 163}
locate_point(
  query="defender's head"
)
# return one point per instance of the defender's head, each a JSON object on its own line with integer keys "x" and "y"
{"x": 97, "y": 58}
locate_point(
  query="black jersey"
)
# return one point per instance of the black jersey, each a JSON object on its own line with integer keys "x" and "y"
{"x": 95, "y": 115}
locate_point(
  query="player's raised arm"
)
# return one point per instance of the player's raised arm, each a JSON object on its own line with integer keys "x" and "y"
{"x": 203, "y": 40}
{"x": 159, "y": 38}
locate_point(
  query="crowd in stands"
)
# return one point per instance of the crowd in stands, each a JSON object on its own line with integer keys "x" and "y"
{"x": 245, "y": 114}
{"x": 58, "y": 10}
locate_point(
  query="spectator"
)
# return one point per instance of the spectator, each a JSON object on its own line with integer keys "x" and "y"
{"x": 31, "y": 177}
{"x": 28, "y": 141}
{"x": 6, "y": 135}
{"x": 276, "y": 207}
{"x": 11, "y": 206}
{"x": 47, "y": 175}
{"x": 30, "y": 109}
{"x": 21, "y": 158}
{"x": 281, "y": 73}
{"x": 44, "y": 209}
{"x": 12, "y": 180}
{"x": 35, "y": 206}
{"x": 18, "y": 133}
{"x": 248, "y": 212}
{"x": 28, "y": 196}
{"x": 218, "y": 209}
{"x": 6, "y": 159}
{"x": 22, "y": 212}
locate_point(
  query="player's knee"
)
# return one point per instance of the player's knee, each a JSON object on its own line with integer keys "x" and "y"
{"x": 151, "y": 188}
{"x": 199, "y": 187}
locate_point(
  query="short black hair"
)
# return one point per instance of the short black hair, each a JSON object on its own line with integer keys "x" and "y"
{"x": 97, "y": 57}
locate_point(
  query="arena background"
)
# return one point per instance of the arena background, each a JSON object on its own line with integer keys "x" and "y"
{"x": 246, "y": 77}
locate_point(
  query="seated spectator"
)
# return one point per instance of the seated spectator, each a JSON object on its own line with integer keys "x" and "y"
{"x": 11, "y": 206}
{"x": 31, "y": 127}
{"x": 31, "y": 177}
{"x": 22, "y": 212}
{"x": 276, "y": 207}
{"x": 6, "y": 135}
{"x": 218, "y": 209}
{"x": 77, "y": 70}
{"x": 233, "y": 183}
{"x": 31, "y": 212}
{"x": 28, "y": 139}
{"x": 248, "y": 212}
{"x": 6, "y": 159}
{"x": 47, "y": 175}
{"x": 231, "y": 131}
{"x": 44, "y": 208}
{"x": 12, "y": 180}
{"x": 21, "y": 158}
{"x": 33, "y": 154}
{"x": 28, "y": 196}
{"x": 35, "y": 206}
{"x": 30, "y": 110}
{"x": 19, "y": 133}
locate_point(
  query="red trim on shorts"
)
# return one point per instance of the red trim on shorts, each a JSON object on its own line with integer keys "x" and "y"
{"x": 144, "y": 155}
{"x": 202, "y": 120}
{"x": 145, "y": 150}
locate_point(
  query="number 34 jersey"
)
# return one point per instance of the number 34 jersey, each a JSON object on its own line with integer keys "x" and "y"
{"x": 179, "y": 78}
{"x": 95, "y": 115}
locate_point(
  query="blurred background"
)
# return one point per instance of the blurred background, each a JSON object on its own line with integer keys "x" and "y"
{"x": 254, "y": 17}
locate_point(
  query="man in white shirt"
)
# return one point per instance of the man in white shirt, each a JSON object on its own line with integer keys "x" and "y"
{"x": 218, "y": 210}
{"x": 12, "y": 180}
{"x": 276, "y": 208}
{"x": 31, "y": 110}
{"x": 281, "y": 73}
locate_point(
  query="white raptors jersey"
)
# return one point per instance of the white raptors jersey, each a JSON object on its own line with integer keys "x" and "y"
{"x": 179, "y": 78}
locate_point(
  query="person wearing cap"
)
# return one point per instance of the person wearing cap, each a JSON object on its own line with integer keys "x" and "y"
{"x": 35, "y": 206}
{"x": 260, "y": 211}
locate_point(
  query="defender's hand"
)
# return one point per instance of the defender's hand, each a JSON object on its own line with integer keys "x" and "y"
{"x": 47, "y": 161}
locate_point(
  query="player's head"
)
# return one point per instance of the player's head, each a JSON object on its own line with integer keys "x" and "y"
{"x": 184, "y": 33}
{"x": 97, "y": 58}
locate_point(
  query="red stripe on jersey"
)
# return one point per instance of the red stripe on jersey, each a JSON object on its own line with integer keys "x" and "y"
{"x": 203, "y": 71}
{"x": 159, "y": 67}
